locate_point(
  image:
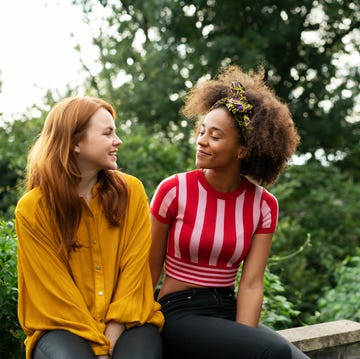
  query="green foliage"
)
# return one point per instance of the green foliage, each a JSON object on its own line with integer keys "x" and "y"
{"x": 16, "y": 138}
{"x": 304, "y": 47}
{"x": 322, "y": 202}
{"x": 11, "y": 335}
{"x": 278, "y": 312}
{"x": 342, "y": 301}
{"x": 152, "y": 157}
{"x": 350, "y": 164}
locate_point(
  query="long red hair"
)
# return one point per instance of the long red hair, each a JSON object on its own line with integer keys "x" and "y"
{"x": 52, "y": 168}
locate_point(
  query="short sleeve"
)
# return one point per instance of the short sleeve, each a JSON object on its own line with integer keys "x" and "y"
{"x": 269, "y": 211}
{"x": 163, "y": 205}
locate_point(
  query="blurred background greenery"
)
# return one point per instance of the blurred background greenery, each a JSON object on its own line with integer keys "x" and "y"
{"x": 150, "y": 53}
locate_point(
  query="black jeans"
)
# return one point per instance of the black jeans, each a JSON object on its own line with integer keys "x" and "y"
{"x": 200, "y": 323}
{"x": 136, "y": 343}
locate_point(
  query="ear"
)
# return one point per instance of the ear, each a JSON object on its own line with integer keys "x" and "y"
{"x": 76, "y": 149}
{"x": 242, "y": 153}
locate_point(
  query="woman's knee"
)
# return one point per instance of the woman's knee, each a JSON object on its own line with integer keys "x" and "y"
{"x": 278, "y": 350}
{"x": 142, "y": 342}
{"x": 61, "y": 344}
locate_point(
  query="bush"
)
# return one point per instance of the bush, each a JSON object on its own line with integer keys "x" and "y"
{"x": 151, "y": 158}
{"x": 277, "y": 312}
{"x": 342, "y": 301}
{"x": 11, "y": 335}
{"x": 323, "y": 202}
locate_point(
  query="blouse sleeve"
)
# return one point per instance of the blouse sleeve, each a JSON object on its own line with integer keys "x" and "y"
{"x": 48, "y": 296}
{"x": 133, "y": 300}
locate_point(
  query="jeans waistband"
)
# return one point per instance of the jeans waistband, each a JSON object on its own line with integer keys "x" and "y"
{"x": 217, "y": 291}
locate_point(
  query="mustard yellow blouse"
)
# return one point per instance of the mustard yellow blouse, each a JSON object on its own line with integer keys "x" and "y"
{"x": 107, "y": 278}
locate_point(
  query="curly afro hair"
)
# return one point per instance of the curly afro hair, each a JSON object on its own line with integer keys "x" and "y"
{"x": 271, "y": 136}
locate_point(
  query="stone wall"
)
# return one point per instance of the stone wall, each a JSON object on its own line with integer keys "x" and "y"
{"x": 331, "y": 340}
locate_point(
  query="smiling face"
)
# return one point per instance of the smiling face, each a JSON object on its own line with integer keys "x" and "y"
{"x": 218, "y": 144}
{"x": 98, "y": 148}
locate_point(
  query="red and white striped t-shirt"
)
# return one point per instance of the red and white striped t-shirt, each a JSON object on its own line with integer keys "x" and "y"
{"x": 210, "y": 231}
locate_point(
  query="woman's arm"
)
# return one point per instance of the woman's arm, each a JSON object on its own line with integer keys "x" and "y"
{"x": 251, "y": 286}
{"x": 159, "y": 232}
{"x": 132, "y": 302}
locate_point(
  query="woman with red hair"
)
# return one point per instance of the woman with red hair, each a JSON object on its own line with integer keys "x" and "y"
{"x": 84, "y": 236}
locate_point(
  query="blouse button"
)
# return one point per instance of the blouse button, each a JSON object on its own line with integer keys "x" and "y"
{"x": 101, "y": 293}
{"x": 98, "y": 267}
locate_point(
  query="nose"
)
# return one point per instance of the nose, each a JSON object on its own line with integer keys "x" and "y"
{"x": 201, "y": 140}
{"x": 117, "y": 141}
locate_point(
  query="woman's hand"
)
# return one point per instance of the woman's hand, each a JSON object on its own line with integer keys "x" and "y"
{"x": 112, "y": 332}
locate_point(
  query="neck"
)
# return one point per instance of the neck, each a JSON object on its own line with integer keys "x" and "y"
{"x": 85, "y": 187}
{"x": 222, "y": 181}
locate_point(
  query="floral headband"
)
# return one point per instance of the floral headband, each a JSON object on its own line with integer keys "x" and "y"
{"x": 238, "y": 105}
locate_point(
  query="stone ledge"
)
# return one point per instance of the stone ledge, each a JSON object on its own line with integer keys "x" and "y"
{"x": 323, "y": 335}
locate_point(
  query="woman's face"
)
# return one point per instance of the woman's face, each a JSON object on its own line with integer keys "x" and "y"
{"x": 98, "y": 148}
{"x": 218, "y": 145}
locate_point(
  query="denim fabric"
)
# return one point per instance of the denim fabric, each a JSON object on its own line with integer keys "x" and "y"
{"x": 136, "y": 343}
{"x": 200, "y": 323}
{"x": 139, "y": 343}
{"x": 61, "y": 344}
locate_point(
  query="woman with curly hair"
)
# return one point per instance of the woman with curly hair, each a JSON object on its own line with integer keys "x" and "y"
{"x": 209, "y": 221}
{"x": 84, "y": 237}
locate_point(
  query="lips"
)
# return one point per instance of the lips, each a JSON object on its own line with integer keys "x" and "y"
{"x": 113, "y": 153}
{"x": 200, "y": 153}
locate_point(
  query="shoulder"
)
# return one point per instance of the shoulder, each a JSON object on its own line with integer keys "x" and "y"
{"x": 167, "y": 184}
{"x": 29, "y": 202}
{"x": 132, "y": 183}
{"x": 135, "y": 188}
{"x": 137, "y": 197}
{"x": 130, "y": 180}
{"x": 269, "y": 197}
{"x": 261, "y": 192}
{"x": 32, "y": 209}
{"x": 174, "y": 179}
{"x": 173, "y": 182}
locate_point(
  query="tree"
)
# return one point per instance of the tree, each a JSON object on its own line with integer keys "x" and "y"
{"x": 160, "y": 49}
{"x": 320, "y": 202}
{"x": 151, "y": 52}
{"x": 151, "y": 157}
{"x": 16, "y": 137}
